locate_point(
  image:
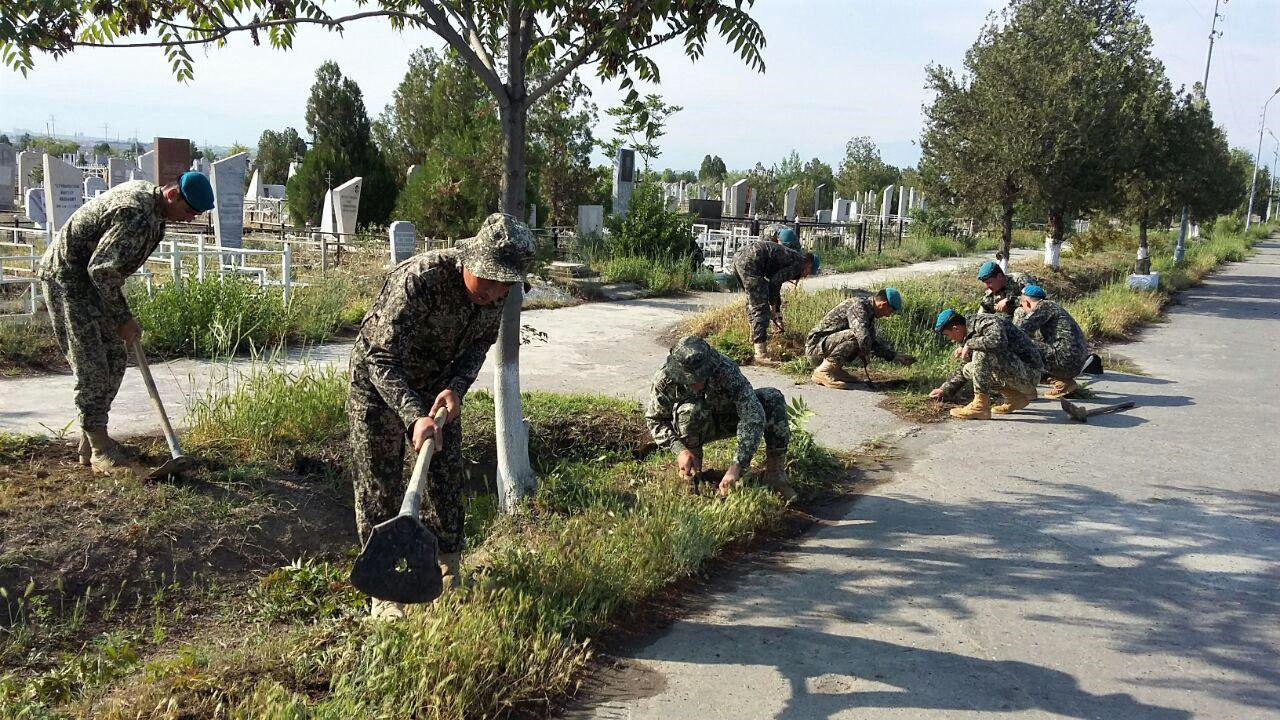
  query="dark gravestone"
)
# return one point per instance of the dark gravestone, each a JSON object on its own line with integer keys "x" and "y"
{"x": 172, "y": 158}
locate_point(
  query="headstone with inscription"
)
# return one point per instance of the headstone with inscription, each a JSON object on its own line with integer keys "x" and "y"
{"x": 172, "y": 157}
{"x": 117, "y": 171}
{"x": 8, "y": 175}
{"x": 94, "y": 185}
{"x": 227, "y": 178}
{"x": 404, "y": 238}
{"x": 840, "y": 210}
{"x": 624, "y": 180}
{"x": 63, "y": 191}
{"x": 590, "y": 220}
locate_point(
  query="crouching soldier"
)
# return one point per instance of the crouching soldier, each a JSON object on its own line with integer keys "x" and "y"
{"x": 848, "y": 331}
{"x": 1057, "y": 336}
{"x": 781, "y": 234}
{"x": 1003, "y": 291}
{"x": 419, "y": 349}
{"x": 699, "y": 396}
{"x": 997, "y": 356}
{"x": 763, "y": 267}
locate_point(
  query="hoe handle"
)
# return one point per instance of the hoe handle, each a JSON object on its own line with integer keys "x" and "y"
{"x": 145, "y": 369}
{"x": 418, "y": 482}
{"x": 1109, "y": 409}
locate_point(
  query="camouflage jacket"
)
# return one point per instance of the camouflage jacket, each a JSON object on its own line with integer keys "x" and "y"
{"x": 996, "y": 334}
{"x": 771, "y": 262}
{"x": 106, "y": 241}
{"x": 1014, "y": 282}
{"x": 422, "y": 335}
{"x": 1054, "y": 326}
{"x": 727, "y": 391}
{"x": 856, "y": 314}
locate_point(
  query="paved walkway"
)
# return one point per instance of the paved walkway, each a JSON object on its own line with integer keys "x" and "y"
{"x": 1029, "y": 567}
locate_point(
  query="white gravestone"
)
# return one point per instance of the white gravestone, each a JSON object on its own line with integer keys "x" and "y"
{"x": 902, "y": 201}
{"x": 911, "y": 199}
{"x": 404, "y": 238}
{"x": 824, "y": 216}
{"x": 255, "y": 187}
{"x": 854, "y": 210}
{"x": 789, "y": 205}
{"x": 63, "y": 192}
{"x": 413, "y": 172}
{"x": 341, "y": 210}
{"x": 35, "y": 206}
{"x": 738, "y": 199}
{"x": 886, "y": 203}
{"x": 227, "y": 179}
{"x": 27, "y": 163}
{"x": 94, "y": 185}
{"x": 146, "y": 167}
{"x": 624, "y": 180}
{"x": 273, "y": 191}
{"x": 590, "y": 220}
{"x": 117, "y": 171}
{"x": 8, "y": 175}
{"x": 293, "y": 170}
{"x": 840, "y": 210}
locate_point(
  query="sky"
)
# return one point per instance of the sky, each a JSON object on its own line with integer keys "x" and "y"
{"x": 836, "y": 69}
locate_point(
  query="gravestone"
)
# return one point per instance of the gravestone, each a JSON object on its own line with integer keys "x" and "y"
{"x": 70, "y": 158}
{"x": 255, "y": 187}
{"x": 789, "y": 205}
{"x": 824, "y": 216}
{"x": 170, "y": 158}
{"x": 34, "y": 205}
{"x": 840, "y": 210}
{"x": 341, "y": 208}
{"x": 8, "y": 175}
{"x": 817, "y": 197}
{"x": 886, "y": 203}
{"x": 624, "y": 180}
{"x": 273, "y": 191}
{"x": 533, "y": 215}
{"x": 738, "y": 199}
{"x": 28, "y": 161}
{"x": 146, "y": 167}
{"x": 63, "y": 192}
{"x": 227, "y": 178}
{"x": 590, "y": 220}
{"x": 117, "y": 171}
{"x": 902, "y": 201}
{"x": 293, "y": 170}
{"x": 94, "y": 185}
{"x": 404, "y": 237}
{"x": 911, "y": 199}
{"x": 855, "y": 210}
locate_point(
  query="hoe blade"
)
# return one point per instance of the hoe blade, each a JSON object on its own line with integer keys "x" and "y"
{"x": 399, "y": 563}
{"x": 171, "y": 468}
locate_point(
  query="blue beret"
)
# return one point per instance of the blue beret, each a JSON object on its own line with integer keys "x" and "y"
{"x": 1035, "y": 291}
{"x": 787, "y": 237}
{"x": 816, "y": 264}
{"x": 988, "y": 269}
{"x": 894, "y": 297}
{"x": 197, "y": 191}
{"x": 945, "y": 317}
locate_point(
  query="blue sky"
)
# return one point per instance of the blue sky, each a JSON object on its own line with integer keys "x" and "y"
{"x": 836, "y": 69}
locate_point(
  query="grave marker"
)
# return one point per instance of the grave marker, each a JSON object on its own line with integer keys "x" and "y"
{"x": 789, "y": 205}
{"x": 624, "y": 180}
{"x": 255, "y": 187}
{"x": 94, "y": 185}
{"x": 404, "y": 238}
{"x": 738, "y": 199}
{"x": 28, "y": 161}
{"x": 227, "y": 178}
{"x": 35, "y": 206}
{"x": 170, "y": 158}
{"x": 63, "y": 192}
{"x": 590, "y": 220}
{"x": 886, "y": 200}
{"x": 117, "y": 171}
{"x": 902, "y": 201}
{"x": 8, "y": 175}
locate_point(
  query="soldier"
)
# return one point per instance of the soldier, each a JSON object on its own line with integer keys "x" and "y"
{"x": 419, "y": 349}
{"x": 1060, "y": 340}
{"x": 998, "y": 358}
{"x": 1003, "y": 291}
{"x": 763, "y": 267}
{"x": 847, "y": 331}
{"x": 84, "y": 270}
{"x": 782, "y": 235}
{"x": 699, "y": 396}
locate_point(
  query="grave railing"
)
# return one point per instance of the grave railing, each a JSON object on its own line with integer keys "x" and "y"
{"x": 209, "y": 259}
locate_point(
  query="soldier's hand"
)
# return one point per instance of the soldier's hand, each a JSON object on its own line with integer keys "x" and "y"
{"x": 448, "y": 400}
{"x": 130, "y": 331}
{"x": 425, "y": 428}
{"x": 730, "y": 479}
{"x": 688, "y": 463}
{"x": 965, "y": 353}
{"x": 958, "y": 352}
{"x": 905, "y": 360}
{"x": 1003, "y": 305}
{"x": 937, "y": 393}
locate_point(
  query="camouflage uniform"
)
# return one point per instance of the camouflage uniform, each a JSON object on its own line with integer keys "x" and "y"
{"x": 680, "y": 418}
{"x": 847, "y": 331}
{"x": 1061, "y": 342}
{"x": 763, "y": 267}
{"x": 422, "y": 336}
{"x": 769, "y": 233}
{"x": 1002, "y": 355}
{"x": 1014, "y": 282}
{"x": 84, "y": 270}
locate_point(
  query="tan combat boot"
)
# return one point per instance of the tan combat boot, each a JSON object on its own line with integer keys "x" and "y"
{"x": 387, "y": 610}
{"x": 105, "y": 455}
{"x": 450, "y": 568}
{"x": 775, "y": 476}
{"x": 760, "y": 356}
{"x": 830, "y": 374}
{"x": 1061, "y": 387}
{"x": 85, "y": 451}
{"x": 979, "y": 409}
{"x": 1014, "y": 399}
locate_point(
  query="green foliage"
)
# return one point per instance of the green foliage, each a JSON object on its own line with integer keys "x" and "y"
{"x": 733, "y": 343}
{"x": 639, "y": 126}
{"x": 712, "y": 169}
{"x": 649, "y": 229}
{"x": 276, "y": 149}
{"x": 306, "y": 590}
{"x": 862, "y": 169}
{"x": 27, "y": 345}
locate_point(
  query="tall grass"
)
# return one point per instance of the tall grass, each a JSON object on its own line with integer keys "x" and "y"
{"x": 28, "y": 346}
{"x": 659, "y": 277}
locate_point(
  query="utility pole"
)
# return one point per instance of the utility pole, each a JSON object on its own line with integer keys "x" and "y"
{"x": 1179, "y": 250}
{"x": 1257, "y": 160}
{"x": 1275, "y": 156}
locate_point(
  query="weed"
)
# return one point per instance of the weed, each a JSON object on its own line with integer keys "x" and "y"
{"x": 306, "y": 590}
{"x": 28, "y": 346}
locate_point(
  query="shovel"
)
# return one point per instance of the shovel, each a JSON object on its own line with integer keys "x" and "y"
{"x": 177, "y": 463}
{"x": 1080, "y": 414}
{"x": 398, "y": 563}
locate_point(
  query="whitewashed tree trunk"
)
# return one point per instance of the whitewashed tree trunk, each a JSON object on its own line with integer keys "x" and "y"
{"x": 515, "y": 478}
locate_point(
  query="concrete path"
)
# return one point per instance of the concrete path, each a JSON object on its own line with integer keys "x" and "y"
{"x": 595, "y": 347}
{"x": 1028, "y": 567}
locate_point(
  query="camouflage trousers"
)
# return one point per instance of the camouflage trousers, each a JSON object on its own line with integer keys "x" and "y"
{"x": 92, "y": 345}
{"x": 758, "y": 311}
{"x": 697, "y": 425}
{"x": 378, "y": 441}
{"x": 1064, "y": 361}
{"x": 839, "y": 347}
{"x": 989, "y": 372}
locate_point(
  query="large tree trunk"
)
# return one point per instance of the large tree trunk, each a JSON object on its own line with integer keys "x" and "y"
{"x": 1053, "y": 239}
{"x": 1143, "y": 266}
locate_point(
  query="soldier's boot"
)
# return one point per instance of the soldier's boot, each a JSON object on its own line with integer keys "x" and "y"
{"x": 85, "y": 451}
{"x": 450, "y": 570}
{"x": 760, "y": 355}
{"x": 978, "y": 409}
{"x": 830, "y": 374}
{"x": 1061, "y": 387}
{"x": 1014, "y": 400}
{"x": 387, "y": 610}
{"x": 105, "y": 454}
{"x": 775, "y": 476}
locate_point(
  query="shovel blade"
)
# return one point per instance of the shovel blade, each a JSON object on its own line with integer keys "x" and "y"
{"x": 399, "y": 563}
{"x": 171, "y": 467}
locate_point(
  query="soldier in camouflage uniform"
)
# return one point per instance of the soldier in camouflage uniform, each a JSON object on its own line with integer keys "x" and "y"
{"x": 83, "y": 272}
{"x": 1057, "y": 336}
{"x": 1004, "y": 292}
{"x": 781, "y": 234}
{"x": 998, "y": 358}
{"x": 699, "y": 396}
{"x": 847, "y": 331}
{"x": 763, "y": 267}
{"x": 419, "y": 349}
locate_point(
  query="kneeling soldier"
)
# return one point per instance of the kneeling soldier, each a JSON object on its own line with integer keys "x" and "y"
{"x": 763, "y": 267}
{"x": 419, "y": 349}
{"x": 699, "y": 396}
{"x": 1057, "y": 336}
{"x": 998, "y": 358}
{"x": 847, "y": 331}
{"x": 1003, "y": 291}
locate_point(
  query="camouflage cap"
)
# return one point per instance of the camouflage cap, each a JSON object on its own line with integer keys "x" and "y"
{"x": 690, "y": 361}
{"x": 502, "y": 251}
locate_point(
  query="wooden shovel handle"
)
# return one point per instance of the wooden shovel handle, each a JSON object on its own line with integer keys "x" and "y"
{"x": 418, "y": 482}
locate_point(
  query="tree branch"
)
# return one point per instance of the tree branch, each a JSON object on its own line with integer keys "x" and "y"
{"x": 209, "y": 35}
{"x": 439, "y": 24}
{"x": 583, "y": 55}
{"x": 474, "y": 40}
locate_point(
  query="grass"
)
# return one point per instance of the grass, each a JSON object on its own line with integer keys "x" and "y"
{"x": 28, "y": 346}
{"x": 659, "y": 277}
{"x": 915, "y": 247}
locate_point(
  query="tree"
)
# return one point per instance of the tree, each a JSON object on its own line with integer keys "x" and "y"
{"x": 639, "y": 126}
{"x": 236, "y": 148}
{"x": 560, "y": 142}
{"x": 863, "y": 170}
{"x": 551, "y": 37}
{"x": 4, "y": 139}
{"x": 712, "y": 169}
{"x": 102, "y": 148}
{"x": 276, "y": 150}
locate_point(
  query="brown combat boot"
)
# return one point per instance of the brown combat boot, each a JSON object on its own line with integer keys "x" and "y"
{"x": 1014, "y": 400}
{"x": 979, "y": 409}
{"x": 85, "y": 451}
{"x": 1061, "y": 387}
{"x": 760, "y": 355}
{"x": 775, "y": 476}
{"x": 105, "y": 455}
{"x": 830, "y": 374}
